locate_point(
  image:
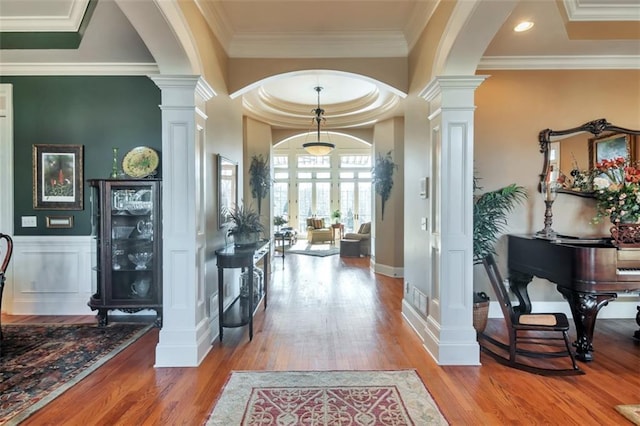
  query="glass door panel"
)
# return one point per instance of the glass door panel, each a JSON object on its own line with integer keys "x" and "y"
{"x": 323, "y": 201}
{"x": 364, "y": 203}
{"x": 305, "y": 205}
{"x": 347, "y": 205}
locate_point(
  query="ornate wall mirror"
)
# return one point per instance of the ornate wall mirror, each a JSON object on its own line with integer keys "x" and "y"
{"x": 571, "y": 154}
{"x": 227, "y": 189}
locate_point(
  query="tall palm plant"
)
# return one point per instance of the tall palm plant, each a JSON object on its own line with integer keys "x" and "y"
{"x": 259, "y": 179}
{"x": 490, "y": 216}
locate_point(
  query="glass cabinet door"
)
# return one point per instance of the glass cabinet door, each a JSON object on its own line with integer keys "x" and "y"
{"x": 133, "y": 230}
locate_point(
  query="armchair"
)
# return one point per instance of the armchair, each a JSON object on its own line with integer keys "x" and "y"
{"x": 364, "y": 236}
{"x": 317, "y": 231}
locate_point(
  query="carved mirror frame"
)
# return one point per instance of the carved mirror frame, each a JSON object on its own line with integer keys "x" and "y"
{"x": 601, "y": 130}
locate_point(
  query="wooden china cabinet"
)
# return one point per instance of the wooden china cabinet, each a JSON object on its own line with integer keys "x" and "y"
{"x": 126, "y": 224}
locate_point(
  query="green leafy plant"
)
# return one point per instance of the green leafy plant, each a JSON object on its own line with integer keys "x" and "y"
{"x": 279, "y": 220}
{"x": 245, "y": 220}
{"x": 490, "y": 216}
{"x": 336, "y": 215}
{"x": 382, "y": 177}
{"x": 259, "y": 179}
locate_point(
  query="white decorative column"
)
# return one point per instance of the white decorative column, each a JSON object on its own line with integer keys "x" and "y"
{"x": 450, "y": 336}
{"x": 185, "y": 337}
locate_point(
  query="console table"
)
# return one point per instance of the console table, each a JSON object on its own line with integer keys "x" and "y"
{"x": 241, "y": 311}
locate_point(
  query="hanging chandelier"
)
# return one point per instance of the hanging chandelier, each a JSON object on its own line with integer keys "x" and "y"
{"x": 318, "y": 147}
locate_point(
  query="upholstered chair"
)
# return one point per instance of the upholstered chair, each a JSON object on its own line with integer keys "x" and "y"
{"x": 317, "y": 231}
{"x": 364, "y": 236}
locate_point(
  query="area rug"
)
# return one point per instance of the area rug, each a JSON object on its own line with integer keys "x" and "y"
{"x": 631, "y": 412}
{"x": 40, "y": 362}
{"x": 317, "y": 249}
{"x": 321, "y": 398}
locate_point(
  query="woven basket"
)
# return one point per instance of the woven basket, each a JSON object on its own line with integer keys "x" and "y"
{"x": 480, "y": 311}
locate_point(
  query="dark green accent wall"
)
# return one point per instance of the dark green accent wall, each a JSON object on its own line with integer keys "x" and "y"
{"x": 97, "y": 112}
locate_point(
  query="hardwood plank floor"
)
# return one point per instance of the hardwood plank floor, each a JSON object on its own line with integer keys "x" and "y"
{"x": 333, "y": 313}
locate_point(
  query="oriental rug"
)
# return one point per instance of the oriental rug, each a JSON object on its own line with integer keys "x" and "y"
{"x": 356, "y": 398}
{"x": 631, "y": 412}
{"x": 317, "y": 249}
{"x": 40, "y": 362}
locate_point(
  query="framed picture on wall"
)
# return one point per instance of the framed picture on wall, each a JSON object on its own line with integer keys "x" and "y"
{"x": 58, "y": 177}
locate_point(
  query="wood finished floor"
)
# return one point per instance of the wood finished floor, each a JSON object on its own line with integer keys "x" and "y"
{"x": 334, "y": 314}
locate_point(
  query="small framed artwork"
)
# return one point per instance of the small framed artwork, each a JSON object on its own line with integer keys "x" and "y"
{"x": 612, "y": 146}
{"x": 59, "y": 221}
{"x": 57, "y": 177}
{"x": 424, "y": 187}
{"x": 227, "y": 189}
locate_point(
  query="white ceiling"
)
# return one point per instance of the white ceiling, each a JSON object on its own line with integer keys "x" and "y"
{"x": 349, "y": 28}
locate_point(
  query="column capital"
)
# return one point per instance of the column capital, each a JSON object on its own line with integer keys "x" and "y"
{"x": 194, "y": 83}
{"x": 443, "y": 84}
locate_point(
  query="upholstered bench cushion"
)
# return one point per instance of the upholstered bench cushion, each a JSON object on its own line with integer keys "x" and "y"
{"x": 350, "y": 248}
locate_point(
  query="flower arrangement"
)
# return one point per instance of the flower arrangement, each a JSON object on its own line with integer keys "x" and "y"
{"x": 617, "y": 190}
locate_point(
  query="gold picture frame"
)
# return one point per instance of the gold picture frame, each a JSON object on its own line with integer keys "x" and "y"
{"x": 59, "y": 221}
{"x": 612, "y": 146}
{"x": 58, "y": 177}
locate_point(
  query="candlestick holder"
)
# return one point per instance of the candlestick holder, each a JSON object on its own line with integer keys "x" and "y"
{"x": 114, "y": 165}
{"x": 549, "y": 188}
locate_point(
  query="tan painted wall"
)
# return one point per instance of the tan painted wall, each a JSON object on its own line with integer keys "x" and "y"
{"x": 257, "y": 140}
{"x": 512, "y": 108}
{"x": 388, "y": 231}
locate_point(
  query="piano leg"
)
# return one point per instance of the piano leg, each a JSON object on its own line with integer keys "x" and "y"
{"x": 636, "y": 335}
{"x": 518, "y": 282}
{"x": 585, "y": 307}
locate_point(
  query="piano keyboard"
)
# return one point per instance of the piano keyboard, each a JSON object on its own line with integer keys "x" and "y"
{"x": 628, "y": 271}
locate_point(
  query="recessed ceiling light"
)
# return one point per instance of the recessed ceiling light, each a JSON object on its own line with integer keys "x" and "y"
{"x": 523, "y": 26}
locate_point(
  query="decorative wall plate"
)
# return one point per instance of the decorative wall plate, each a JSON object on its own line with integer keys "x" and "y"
{"x": 140, "y": 162}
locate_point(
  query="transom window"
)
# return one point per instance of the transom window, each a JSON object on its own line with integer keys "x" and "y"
{"x": 314, "y": 161}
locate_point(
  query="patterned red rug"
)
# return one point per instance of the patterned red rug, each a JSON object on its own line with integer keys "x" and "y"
{"x": 344, "y": 398}
{"x": 39, "y": 362}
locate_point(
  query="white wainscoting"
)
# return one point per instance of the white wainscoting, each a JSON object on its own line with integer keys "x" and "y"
{"x": 51, "y": 275}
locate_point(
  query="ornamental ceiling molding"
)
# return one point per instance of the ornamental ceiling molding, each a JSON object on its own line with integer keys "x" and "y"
{"x": 583, "y": 62}
{"x": 76, "y": 68}
{"x": 65, "y": 15}
{"x": 602, "y": 10}
{"x": 281, "y": 114}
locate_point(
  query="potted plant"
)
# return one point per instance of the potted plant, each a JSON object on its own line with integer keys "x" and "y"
{"x": 278, "y": 221}
{"x": 259, "y": 179}
{"x": 336, "y": 215}
{"x": 489, "y": 220}
{"x": 382, "y": 177}
{"x": 246, "y": 226}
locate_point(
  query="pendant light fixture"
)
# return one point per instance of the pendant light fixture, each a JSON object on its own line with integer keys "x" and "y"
{"x": 318, "y": 148}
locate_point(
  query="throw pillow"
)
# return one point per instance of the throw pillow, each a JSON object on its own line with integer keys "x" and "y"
{"x": 365, "y": 228}
{"x": 318, "y": 223}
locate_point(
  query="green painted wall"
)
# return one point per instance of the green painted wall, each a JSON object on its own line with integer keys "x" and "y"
{"x": 99, "y": 113}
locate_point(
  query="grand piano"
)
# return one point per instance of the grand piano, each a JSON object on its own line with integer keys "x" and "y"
{"x": 587, "y": 272}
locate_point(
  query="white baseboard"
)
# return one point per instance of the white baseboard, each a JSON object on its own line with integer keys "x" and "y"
{"x": 389, "y": 271}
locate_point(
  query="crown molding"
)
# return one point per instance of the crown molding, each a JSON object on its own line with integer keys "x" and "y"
{"x": 584, "y": 62}
{"x": 386, "y": 44}
{"x": 606, "y": 10}
{"x": 218, "y": 21}
{"x": 93, "y": 68}
{"x": 50, "y": 23}
{"x": 421, "y": 15}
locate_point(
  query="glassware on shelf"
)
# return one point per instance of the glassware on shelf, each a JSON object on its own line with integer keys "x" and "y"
{"x": 141, "y": 259}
